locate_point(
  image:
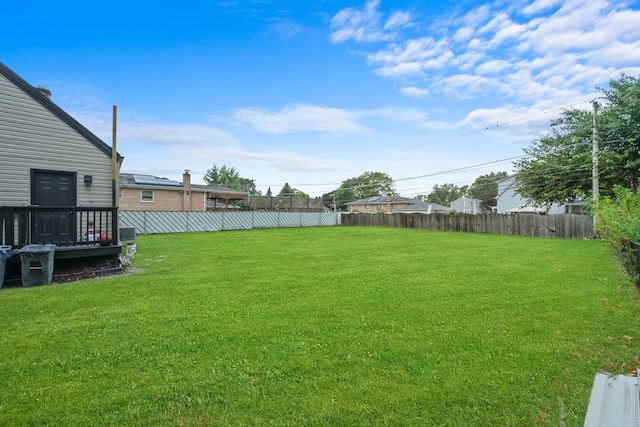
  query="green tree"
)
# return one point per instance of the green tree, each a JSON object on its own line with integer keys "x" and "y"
{"x": 485, "y": 188}
{"x": 222, "y": 176}
{"x": 248, "y": 185}
{"x": 446, "y": 193}
{"x": 226, "y": 176}
{"x": 557, "y": 168}
{"x": 618, "y": 221}
{"x": 288, "y": 191}
{"x": 620, "y": 129}
{"x": 369, "y": 184}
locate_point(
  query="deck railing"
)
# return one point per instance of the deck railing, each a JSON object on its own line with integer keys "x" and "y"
{"x": 62, "y": 226}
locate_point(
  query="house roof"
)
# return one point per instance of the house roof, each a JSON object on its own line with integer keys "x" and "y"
{"x": 141, "y": 180}
{"x": 219, "y": 189}
{"x": 43, "y": 100}
{"x": 527, "y": 209}
{"x": 382, "y": 199}
{"x": 423, "y": 207}
{"x": 471, "y": 199}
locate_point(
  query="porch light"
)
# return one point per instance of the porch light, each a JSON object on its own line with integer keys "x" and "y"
{"x": 88, "y": 179}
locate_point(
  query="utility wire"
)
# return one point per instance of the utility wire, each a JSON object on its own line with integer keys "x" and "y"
{"x": 475, "y": 132}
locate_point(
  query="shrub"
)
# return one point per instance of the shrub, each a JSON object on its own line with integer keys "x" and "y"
{"x": 618, "y": 222}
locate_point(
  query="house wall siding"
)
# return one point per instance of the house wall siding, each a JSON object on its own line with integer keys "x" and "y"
{"x": 508, "y": 198}
{"x": 32, "y": 137}
{"x": 163, "y": 200}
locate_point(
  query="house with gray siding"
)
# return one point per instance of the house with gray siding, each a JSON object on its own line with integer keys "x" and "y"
{"x": 423, "y": 207}
{"x": 56, "y": 180}
{"x": 467, "y": 205}
{"x": 388, "y": 204}
{"x": 510, "y": 201}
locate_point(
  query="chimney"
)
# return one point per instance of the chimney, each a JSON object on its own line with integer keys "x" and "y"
{"x": 186, "y": 193}
{"x": 43, "y": 90}
{"x": 388, "y": 197}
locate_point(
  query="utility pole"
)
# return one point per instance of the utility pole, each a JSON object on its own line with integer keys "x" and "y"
{"x": 595, "y": 175}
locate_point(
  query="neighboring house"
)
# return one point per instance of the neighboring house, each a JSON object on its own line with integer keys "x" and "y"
{"x": 510, "y": 201}
{"x": 56, "y": 180}
{"x": 376, "y": 204}
{"x": 467, "y": 205}
{"x": 140, "y": 192}
{"x": 423, "y": 207}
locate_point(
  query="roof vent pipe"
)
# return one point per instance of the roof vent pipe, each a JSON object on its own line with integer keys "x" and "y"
{"x": 43, "y": 90}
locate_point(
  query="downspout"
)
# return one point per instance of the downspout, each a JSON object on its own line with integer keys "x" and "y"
{"x": 114, "y": 180}
{"x": 114, "y": 161}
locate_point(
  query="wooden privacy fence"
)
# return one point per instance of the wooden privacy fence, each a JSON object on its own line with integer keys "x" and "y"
{"x": 567, "y": 226}
{"x": 150, "y": 222}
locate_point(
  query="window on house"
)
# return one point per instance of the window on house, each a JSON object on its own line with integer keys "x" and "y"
{"x": 574, "y": 209}
{"x": 147, "y": 196}
{"x": 380, "y": 207}
{"x": 366, "y": 206}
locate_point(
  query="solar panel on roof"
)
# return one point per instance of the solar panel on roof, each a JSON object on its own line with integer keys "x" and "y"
{"x": 152, "y": 180}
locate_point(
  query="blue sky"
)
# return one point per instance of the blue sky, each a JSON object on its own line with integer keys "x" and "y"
{"x": 315, "y": 92}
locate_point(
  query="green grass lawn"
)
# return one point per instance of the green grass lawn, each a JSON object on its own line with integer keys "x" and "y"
{"x": 326, "y": 326}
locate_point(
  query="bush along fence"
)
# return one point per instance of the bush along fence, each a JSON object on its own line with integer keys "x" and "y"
{"x": 148, "y": 222}
{"x": 567, "y": 226}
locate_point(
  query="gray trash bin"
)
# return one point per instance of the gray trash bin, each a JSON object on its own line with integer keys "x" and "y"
{"x": 37, "y": 264}
{"x": 5, "y": 252}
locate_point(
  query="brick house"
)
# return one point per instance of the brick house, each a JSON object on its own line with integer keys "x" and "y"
{"x": 150, "y": 193}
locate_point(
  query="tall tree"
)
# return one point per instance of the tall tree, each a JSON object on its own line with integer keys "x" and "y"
{"x": 558, "y": 167}
{"x": 620, "y": 128}
{"x": 248, "y": 185}
{"x": 446, "y": 193}
{"x": 369, "y": 184}
{"x": 485, "y": 188}
{"x": 223, "y": 176}
{"x": 288, "y": 191}
{"x": 226, "y": 176}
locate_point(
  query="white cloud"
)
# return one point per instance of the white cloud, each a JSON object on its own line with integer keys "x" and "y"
{"x": 299, "y": 118}
{"x": 175, "y": 133}
{"x": 536, "y": 50}
{"x": 540, "y": 6}
{"x": 617, "y": 54}
{"x": 367, "y": 24}
{"x": 398, "y": 20}
{"x": 462, "y": 85}
{"x": 493, "y": 66}
{"x": 414, "y": 92}
{"x": 135, "y": 132}
{"x": 413, "y": 58}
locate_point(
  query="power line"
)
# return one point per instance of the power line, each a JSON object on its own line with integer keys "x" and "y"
{"x": 475, "y": 132}
{"x": 466, "y": 168}
{"x": 459, "y": 169}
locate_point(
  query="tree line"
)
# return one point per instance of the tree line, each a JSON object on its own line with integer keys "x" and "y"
{"x": 366, "y": 185}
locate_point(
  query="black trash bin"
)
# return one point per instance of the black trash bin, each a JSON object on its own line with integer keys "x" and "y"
{"x": 37, "y": 264}
{"x": 5, "y": 252}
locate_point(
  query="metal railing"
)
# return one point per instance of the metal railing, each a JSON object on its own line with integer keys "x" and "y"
{"x": 62, "y": 226}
